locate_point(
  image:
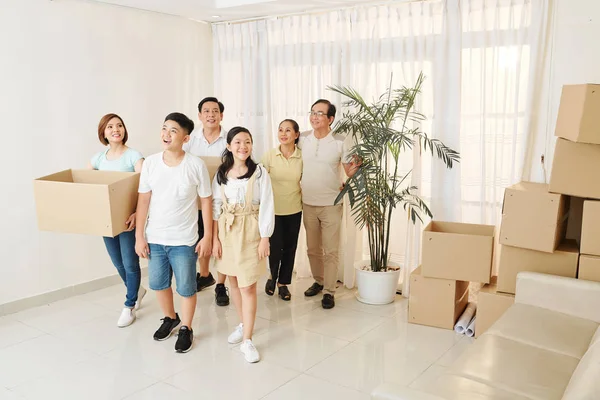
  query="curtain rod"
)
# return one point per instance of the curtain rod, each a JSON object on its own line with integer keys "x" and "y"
{"x": 320, "y": 11}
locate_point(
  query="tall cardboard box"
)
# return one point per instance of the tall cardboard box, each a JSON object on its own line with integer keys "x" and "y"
{"x": 458, "y": 251}
{"x": 86, "y": 201}
{"x": 590, "y": 228}
{"x": 579, "y": 114}
{"x": 212, "y": 164}
{"x": 562, "y": 262}
{"x": 575, "y": 168}
{"x": 491, "y": 304}
{"x": 436, "y": 302}
{"x": 532, "y": 218}
{"x": 589, "y": 268}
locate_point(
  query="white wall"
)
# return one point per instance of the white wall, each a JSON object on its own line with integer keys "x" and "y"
{"x": 64, "y": 64}
{"x": 573, "y": 57}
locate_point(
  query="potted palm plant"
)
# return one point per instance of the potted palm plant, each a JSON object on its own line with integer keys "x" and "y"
{"x": 382, "y": 131}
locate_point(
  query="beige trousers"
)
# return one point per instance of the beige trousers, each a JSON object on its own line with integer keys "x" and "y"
{"x": 323, "y": 226}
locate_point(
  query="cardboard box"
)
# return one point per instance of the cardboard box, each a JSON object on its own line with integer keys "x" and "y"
{"x": 491, "y": 304}
{"x": 579, "y": 114}
{"x": 458, "y": 251}
{"x": 212, "y": 164}
{"x": 513, "y": 260}
{"x": 532, "y": 218}
{"x": 574, "y": 169}
{"x": 590, "y": 228}
{"x": 589, "y": 268}
{"x": 86, "y": 201}
{"x": 436, "y": 302}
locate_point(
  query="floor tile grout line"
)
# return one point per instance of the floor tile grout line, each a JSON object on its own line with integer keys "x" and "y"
{"x": 140, "y": 390}
{"x": 282, "y": 385}
{"x": 334, "y": 383}
{"x": 435, "y": 362}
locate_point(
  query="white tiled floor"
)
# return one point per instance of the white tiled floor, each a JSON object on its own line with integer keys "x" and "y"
{"x": 72, "y": 349}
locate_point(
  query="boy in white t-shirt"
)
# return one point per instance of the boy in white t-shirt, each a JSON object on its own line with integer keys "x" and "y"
{"x": 169, "y": 185}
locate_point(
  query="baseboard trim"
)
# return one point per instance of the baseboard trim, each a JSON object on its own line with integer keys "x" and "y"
{"x": 61, "y": 294}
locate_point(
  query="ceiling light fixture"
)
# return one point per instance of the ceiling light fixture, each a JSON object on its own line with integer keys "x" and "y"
{"x": 216, "y": 16}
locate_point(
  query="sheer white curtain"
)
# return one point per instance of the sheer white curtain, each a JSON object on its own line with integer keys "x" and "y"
{"x": 480, "y": 58}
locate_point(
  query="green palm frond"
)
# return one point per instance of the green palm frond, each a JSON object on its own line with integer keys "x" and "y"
{"x": 382, "y": 131}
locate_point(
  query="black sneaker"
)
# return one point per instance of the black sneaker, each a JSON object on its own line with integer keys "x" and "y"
{"x": 314, "y": 290}
{"x": 184, "y": 340}
{"x": 167, "y": 328}
{"x": 221, "y": 295}
{"x": 328, "y": 301}
{"x": 202, "y": 282}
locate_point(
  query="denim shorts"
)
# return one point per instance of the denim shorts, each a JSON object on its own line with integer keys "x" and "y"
{"x": 164, "y": 261}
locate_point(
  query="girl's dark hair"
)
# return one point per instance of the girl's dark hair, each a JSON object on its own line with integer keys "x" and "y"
{"x": 227, "y": 158}
{"x": 295, "y": 126}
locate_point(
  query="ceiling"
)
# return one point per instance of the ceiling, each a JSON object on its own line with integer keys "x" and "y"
{"x": 230, "y": 10}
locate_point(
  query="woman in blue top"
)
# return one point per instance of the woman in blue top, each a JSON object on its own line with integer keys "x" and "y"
{"x": 121, "y": 249}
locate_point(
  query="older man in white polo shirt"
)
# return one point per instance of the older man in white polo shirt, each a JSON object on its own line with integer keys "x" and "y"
{"x": 323, "y": 154}
{"x": 209, "y": 141}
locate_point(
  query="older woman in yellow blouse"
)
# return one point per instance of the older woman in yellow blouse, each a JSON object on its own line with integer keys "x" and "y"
{"x": 284, "y": 164}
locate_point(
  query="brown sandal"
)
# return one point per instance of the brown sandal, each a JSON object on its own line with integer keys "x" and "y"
{"x": 284, "y": 293}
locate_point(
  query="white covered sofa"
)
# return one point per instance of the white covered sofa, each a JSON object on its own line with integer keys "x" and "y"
{"x": 546, "y": 346}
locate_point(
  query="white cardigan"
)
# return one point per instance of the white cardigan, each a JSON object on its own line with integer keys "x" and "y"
{"x": 235, "y": 191}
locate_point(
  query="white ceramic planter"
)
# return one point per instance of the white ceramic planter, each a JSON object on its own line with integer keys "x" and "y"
{"x": 376, "y": 287}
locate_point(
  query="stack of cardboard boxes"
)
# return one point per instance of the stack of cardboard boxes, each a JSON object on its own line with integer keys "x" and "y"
{"x": 533, "y": 229}
{"x": 454, "y": 254}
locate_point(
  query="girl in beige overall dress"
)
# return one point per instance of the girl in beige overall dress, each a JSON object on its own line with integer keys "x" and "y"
{"x": 244, "y": 215}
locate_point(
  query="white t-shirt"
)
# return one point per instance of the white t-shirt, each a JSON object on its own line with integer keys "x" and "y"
{"x": 173, "y": 214}
{"x": 262, "y": 195}
{"x": 321, "y": 167}
{"x": 198, "y": 145}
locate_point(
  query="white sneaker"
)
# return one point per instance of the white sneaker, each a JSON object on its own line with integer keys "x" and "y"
{"x": 141, "y": 294}
{"x": 127, "y": 317}
{"x": 237, "y": 335}
{"x": 250, "y": 353}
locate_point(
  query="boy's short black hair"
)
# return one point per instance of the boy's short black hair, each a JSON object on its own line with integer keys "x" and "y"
{"x": 183, "y": 121}
{"x": 211, "y": 100}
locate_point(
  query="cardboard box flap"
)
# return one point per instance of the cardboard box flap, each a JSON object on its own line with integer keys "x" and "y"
{"x": 578, "y": 113}
{"x": 62, "y": 176}
{"x": 100, "y": 177}
{"x": 87, "y": 176}
{"x": 460, "y": 228}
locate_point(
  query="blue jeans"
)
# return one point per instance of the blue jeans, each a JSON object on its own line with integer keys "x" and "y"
{"x": 166, "y": 261}
{"x": 121, "y": 250}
